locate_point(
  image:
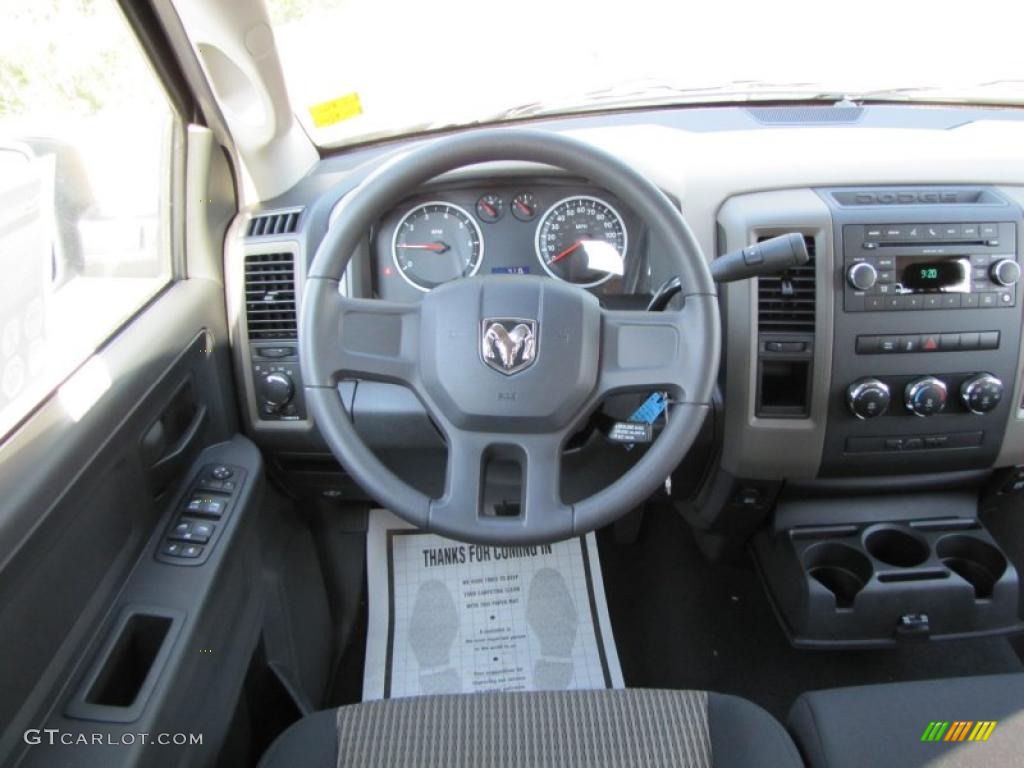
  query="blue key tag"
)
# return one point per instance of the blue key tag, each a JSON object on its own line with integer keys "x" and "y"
{"x": 651, "y": 408}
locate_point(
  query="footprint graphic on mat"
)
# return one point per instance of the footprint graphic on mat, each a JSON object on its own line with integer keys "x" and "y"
{"x": 551, "y": 614}
{"x": 432, "y": 631}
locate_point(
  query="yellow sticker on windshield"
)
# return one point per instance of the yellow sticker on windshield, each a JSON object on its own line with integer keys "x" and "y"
{"x": 334, "y": 111}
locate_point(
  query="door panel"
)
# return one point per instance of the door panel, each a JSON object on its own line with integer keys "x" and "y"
{"x": 81, "y": 499}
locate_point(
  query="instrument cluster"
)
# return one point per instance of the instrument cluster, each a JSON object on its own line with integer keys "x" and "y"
{"x": 571, "y": 232}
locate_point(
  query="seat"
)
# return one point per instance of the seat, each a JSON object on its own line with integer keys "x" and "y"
{"x": 890, "y": 724}
{"x": 642, "y": 728}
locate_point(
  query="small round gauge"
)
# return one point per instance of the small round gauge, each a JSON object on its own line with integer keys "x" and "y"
{"x": 489, "y": 208}
{"x": 582, "y": 240}
{"x": 524, "y": 206}
{"x": 436, "y": 242}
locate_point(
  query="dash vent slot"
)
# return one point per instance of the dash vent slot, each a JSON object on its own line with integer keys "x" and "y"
{"x": 276, "y": 223}
{"x": 270, "y": 296}
{"x": 786, "y": 302}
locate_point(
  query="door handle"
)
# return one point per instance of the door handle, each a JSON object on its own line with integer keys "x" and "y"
{"x": 167, "y": 446}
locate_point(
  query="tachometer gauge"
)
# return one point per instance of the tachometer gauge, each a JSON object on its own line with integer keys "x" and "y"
{"x": 582, "y": 240}
{"x": 436, "y": 242}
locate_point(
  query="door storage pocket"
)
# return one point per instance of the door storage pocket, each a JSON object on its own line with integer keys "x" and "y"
{"x": 126, "y": 669}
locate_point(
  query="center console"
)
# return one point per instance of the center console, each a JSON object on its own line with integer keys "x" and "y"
{"x": 926, "y": 329}
{"x": 920, "y": 306}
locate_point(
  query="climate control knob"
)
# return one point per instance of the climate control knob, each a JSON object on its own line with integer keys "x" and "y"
{"x": 862, "y": 276}
{"x": 867, "y": 398}
{"x": 276, "y": 390}
{"x": 981, "y": 393}
{"x": 1005, "y": 272}
{"x": 925, "y": 396}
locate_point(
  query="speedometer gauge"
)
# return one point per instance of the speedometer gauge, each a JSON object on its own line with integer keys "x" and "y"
{"x": 436, "y": 242}
{"x": 582, "y": 240}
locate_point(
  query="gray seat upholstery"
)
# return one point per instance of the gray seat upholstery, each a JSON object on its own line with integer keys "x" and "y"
{"x": 683, "y": 729}
{"x": 884, "y": 724}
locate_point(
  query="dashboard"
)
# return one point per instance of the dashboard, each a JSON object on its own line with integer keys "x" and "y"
{"x": 886, "y": 312}
{"x": 573, "y": 232}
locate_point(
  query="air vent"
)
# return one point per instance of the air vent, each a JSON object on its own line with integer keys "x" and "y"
{"x": 270, "y": 296}
{"x": 799, "y": 115}
{"x": 786, "y": 302}
{"x": 278, "y": 223}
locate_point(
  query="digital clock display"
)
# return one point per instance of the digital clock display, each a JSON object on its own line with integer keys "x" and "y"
{"x": 918, "y": 275}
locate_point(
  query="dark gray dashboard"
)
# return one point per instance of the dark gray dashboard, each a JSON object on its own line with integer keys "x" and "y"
{"x": 739, "y": 175}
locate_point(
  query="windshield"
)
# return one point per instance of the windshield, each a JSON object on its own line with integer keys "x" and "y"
{"x": 363, "y": 69}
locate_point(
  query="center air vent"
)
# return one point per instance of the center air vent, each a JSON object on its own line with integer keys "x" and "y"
{"x": 270, "y": 296}
{"x": 277, "y": 223}
{"x": 786, "y": 302}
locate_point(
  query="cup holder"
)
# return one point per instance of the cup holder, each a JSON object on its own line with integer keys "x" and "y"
{"x": 975, "y": 561}
{"x": 841, "y": 569}
{"x": 896, "y": 546}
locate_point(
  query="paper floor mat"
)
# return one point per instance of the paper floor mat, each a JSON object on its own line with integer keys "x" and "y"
{"x": 449, "y": 617}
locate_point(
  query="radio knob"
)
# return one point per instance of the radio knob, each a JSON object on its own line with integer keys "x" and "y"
{"x": 925, "y": 396}
{"x": 862, "y": 276}
{"x": 981, "y": 393}
{"x": 277, "y": 390}
{"x": 1005, "y": 272}
{"x": 867, "y": 398}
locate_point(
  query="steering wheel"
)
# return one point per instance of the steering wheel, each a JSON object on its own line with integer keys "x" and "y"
{"x": 569, "y": 354}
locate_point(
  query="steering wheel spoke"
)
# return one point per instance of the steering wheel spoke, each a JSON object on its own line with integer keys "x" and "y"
{"x": 541, "y": 516}
{"x": 652, "y": 351}
{"x": 370, "y": 339}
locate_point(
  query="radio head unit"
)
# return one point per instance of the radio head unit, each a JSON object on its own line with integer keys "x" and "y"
{"x": 929, "y": 266}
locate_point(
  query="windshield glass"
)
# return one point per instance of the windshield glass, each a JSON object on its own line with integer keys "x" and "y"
{"x": 363, "y": 69}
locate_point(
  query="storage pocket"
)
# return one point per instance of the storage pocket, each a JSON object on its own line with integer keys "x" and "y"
{"x": 125, "y": 671}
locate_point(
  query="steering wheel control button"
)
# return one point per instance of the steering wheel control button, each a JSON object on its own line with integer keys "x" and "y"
{"x": 868, "y": 398}
{"x": 981, "y": 393}
{"x": 926, "y": 396}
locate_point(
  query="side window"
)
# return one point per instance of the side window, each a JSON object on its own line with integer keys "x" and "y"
{"x": 85, "y": 130}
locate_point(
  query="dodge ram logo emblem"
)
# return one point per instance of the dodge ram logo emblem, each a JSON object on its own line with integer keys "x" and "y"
{"x": 508, "y": 344}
